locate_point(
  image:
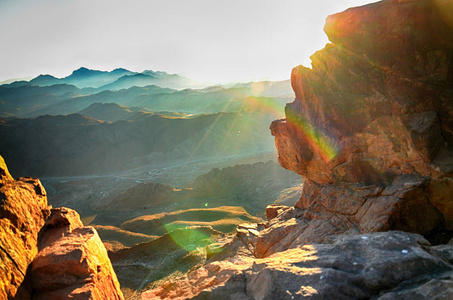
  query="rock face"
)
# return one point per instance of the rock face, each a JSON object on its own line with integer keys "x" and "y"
{"x": 370, "y": 130}
{"x": 389, "y": 265}
{"x": 47, "y": 253}
{"x": 23, "y": 212}
{"x": 72, "y": 261}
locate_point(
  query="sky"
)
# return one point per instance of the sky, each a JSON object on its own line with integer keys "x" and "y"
{"x": 208, "y": 40}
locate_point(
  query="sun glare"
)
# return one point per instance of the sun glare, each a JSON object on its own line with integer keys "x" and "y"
{"x": 318, "y": 139}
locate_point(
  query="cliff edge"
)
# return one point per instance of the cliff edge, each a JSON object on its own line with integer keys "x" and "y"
{"x": 370, "y": 129}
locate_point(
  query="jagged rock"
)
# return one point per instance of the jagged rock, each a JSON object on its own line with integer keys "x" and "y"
{"x": 370, "y": 127}
{"x": 274, "y": 210}
{"x": 23, "y": 212}
{"x": 72, "y": 261}
{"x": 5, "y": 177}
{"x": 388, "y": 265}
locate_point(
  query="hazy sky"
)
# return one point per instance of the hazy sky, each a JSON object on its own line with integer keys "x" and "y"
{"x": 211, "y": 40}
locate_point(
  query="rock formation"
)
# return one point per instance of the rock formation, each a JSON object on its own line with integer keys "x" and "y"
{"x": 389, "y": 265}
{"x": 370, "y": 128}
{"x": 72, "y": 261}
{"x": 23, "y": 212}
{"x": 47, "y": 253}
{"x": 370, "y": 131}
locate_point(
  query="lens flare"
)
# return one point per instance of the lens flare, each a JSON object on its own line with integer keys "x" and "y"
{"x": 318, "y": 139}
{"x": 189, "y": 238}
{"x": 257, "y": 88}
{"x": 264, "y": 105}
{"x": 445, "y": 8}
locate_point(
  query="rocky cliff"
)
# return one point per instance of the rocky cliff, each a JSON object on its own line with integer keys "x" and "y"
{"x": 370, "y": 131}
{"x": 47, "y": 253}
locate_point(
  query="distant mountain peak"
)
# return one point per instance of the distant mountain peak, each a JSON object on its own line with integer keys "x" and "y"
{"x": 85, "y": 72}
{"x": 44, "y": 80}
{"x": 42, "y": 76}
{"x": 121, "y": 70}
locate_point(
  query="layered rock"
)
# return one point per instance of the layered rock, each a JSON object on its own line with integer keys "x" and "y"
{"x": 72, "y": 261}
{"x": 389, "y": 265}
{"x": 370, "y": 130}
{"x": 23, "y": 212}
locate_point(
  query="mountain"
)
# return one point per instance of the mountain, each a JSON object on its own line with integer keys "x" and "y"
{"x": 161, "y": 79}
{"x": 75, "y": 144}
{"x": 22, "y": 100}
{"x": 9, "y": 81}
{"x": 117, "y": 79}
{"x": 65, "y": 99}
{"x": 49, "y": 95}
{"x": 45, "y": 80}
{"x": 82, "y": 78}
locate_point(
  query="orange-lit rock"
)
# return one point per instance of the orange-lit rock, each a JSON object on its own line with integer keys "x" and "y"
{"x": 5, "y": 177}
{"x": 23, "y": 212}
{"x": 72, "y": 261}
{"x": 370, "y": 129}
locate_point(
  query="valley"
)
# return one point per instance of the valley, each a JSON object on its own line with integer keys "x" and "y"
{"x": 144, "y": 163}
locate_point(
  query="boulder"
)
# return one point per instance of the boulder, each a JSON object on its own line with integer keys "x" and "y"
{"x": 23, "y": 212}
{"x": 72, "y": 262}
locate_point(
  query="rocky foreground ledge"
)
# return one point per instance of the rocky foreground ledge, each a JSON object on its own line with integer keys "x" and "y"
{"x": 47, "y": 253}
{"x": 370, "y": 131}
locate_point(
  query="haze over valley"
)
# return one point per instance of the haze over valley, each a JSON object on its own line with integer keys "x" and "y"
{"x": 94, "y": 135}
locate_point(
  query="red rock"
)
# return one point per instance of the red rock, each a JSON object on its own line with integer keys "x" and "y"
{"x": 23, "y": 212}
{"x": 273, "y": 210}
{"x": 72, "y": 261}
{"x": 370, "y": 127}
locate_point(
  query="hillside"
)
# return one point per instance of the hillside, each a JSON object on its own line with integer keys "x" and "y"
{"x": 78, "y": 145}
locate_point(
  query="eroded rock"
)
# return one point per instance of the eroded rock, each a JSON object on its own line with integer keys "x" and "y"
{"x": 72, "y": 261}
{"x": 23, "y": 212}
{"x": 370, "y": 127}
{"x": 386, "y": 265}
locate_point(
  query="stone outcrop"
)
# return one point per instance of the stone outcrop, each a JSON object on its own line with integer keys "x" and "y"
{"x": 23, "y": 212}
{"x": 72, "y": 261}
{"x": 47, "y": 253}
{"x": 370, "y": 129}
{"x": 387, "y": 265}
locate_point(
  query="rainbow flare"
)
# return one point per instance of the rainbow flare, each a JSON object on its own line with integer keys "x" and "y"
{"x": 318, "y": 139}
